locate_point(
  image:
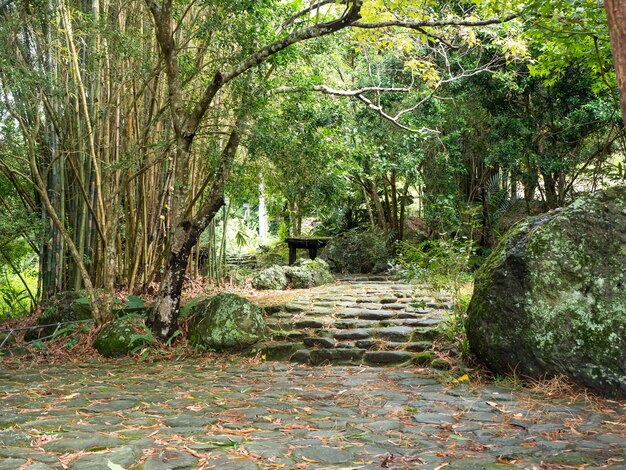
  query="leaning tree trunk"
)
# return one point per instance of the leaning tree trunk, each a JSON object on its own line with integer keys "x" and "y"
{"x": 185, "y": 233}
{"x": 185, "y": 229}
{"x": 616, "y": 15}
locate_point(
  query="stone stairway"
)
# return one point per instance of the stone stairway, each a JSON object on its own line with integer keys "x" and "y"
{"x": 372, "y": 320}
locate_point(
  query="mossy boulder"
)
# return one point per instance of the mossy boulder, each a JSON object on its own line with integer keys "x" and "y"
{"x": 123, "y": 336}
{"x": 551, "y": 298}
{"x": 357, "y": 253}
{"x": 272, "y": 278}
{"x": 304, "y": 274}
{"x": 65, "y": 307}
{"x": 309, "y": 273}
{"x": 225, "y": 321}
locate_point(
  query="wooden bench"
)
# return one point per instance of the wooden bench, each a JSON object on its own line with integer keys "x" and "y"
{"x": 312, "y": 244}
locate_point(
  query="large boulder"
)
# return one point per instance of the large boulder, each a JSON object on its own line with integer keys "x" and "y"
{"x": 225, "y": 321}
{"x": 551, "y": 299}
{"x": 123, "y": 336}
{"x": 357, "y": 253}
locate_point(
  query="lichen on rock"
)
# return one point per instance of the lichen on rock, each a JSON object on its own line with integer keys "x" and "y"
{"x": 272, "y": 278}
{"x": 225, "y": 321}
{"x": 551, "y": 299}
{"x": 304, "y": 274}
{"x": 309, "y": 273}
{"x": 122, "y": 336}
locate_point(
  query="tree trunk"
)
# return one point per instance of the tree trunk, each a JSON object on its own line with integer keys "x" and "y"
{"x": 616, "y": 16}
{"x": 549, "y": 182}
{"x": 163, "y": 318}
{"x": 263, "y": 226}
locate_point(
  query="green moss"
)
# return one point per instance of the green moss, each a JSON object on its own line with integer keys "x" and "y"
{"x": 123, "y": 336}
{"x": 225, "y": 321}
{"x": 440, "y": 364}
{"x": 424, "y": 358}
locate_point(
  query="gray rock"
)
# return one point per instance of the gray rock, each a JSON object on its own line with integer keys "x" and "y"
{"x": 309, "y": 323}
{"x": 387, "y": 357}
{"x": 314, "y": 341}
{"x": 378, "y": 315}
{"x": 225, "y": 321}
{"x": 188, "y": 421}
{"x": 550, "y": 299}
{"x": 302, "y": 356}
{"x": 111, "y": 406}
{"x": 433, "y": 418}
{"x": 170, "y": 460}
{"x": 73, "y": 442}
{"x": 322, "y": 356}
{"x": 359, "y": 333}
{"x": 11, "y": 464}
{"x": 273, "y": 278}
{"x": 124, "y": 456}
{"x": 395, "y": 333}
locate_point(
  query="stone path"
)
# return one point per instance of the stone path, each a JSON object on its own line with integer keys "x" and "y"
{"x": 361, "y": 320}
{"x": 246, "y": 415}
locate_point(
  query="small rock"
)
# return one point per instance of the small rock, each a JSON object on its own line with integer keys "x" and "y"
{"x": 395, "y": 333}
{"x": 324, "y": 454}
{"x": 315, "y": 341}
{"x": 302, "y": 356}
{"x": 433, "y": 418}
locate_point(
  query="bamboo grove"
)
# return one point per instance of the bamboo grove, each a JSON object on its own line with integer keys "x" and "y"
{"x": 93, "y": 151}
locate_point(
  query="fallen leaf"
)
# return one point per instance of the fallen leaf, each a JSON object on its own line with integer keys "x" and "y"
{"x": 503, "y": 459}
{"x": 114, "y": 466}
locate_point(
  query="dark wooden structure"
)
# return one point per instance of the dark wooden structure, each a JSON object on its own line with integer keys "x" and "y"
{"x": 312, "y": 244}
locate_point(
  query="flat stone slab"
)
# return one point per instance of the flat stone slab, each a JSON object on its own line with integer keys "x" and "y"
{"x": 388, "y": 357}
{"x": 75, "y": 442}
{"x": 317, "y": 342}
{"x": 338, "y": 355}
{"x": 110, "y": 406}
{"x": 395, "y": 333}
{"x": 433, "y": 418}
{"x": 358, "y": 333}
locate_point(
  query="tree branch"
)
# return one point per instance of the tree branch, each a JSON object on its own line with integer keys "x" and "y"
{"x": 331, "y": 91}
{"x": 419, "y": 25}
{"x": 352, "y": 15}
{"x": 289, "y": 21}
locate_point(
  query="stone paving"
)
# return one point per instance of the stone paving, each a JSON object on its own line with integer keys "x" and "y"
{"x": 360, "y": 320}
{"x": 246, "y": 415}
{"x": 241, "y": 413}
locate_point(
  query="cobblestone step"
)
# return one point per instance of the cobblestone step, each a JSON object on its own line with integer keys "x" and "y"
{"x": 357, "y": 321}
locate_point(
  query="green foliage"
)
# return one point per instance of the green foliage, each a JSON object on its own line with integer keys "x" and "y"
{"x": 445, "y": 266}
{"x": 358, "y": 252}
